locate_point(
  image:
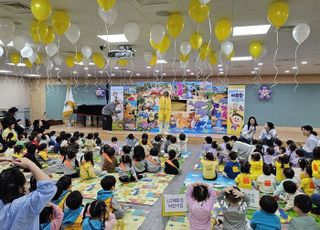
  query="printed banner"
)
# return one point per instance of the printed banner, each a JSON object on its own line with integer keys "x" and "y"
{"x": 236, "y": 101}
{"x": 116, "y": 93}
{"x": 129, "y": 107}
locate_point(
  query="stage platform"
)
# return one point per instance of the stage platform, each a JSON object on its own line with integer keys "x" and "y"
{"x": 284, "y": 133}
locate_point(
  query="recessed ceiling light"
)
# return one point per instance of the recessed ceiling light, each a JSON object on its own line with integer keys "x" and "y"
{"x": 221, "y": 72}
{"x": 294, "y": 67}
{"x": 164, "y": 74}
{"x": 74, "y": 72}
{"x": 113, "y": 38}
{"x": 220, "y": 69}
{"x": 244, "y": 58}
{"x": 304, "y": 62}
{"x": 157, "y": 71}
{"x": 287, "y": 71}
{"x": 253, "y": 72}
{"x": 5, "y": 71}
{"x": 116, "y": 67}
{"x": 32, "y": 75}
{"x": 250, "y": 30}
{"x": 57, "y": 68}
{"x": 100, "y": 71}
{"x": 256, "y": 68}
{"x": 19, "y": 64}
{"x": 191, "y": 73}
{"x": 89, "y": 75}
{"x": 148, "y": 67}
{"x": 81, "y": 63}
{"x": 112, "y": 75}
{"x": 260, "y": 64}
{"x": 9, "y": 45}
{"x": 162, "y": 61}
{"x": 128, "y": 71}
{"x": 138, "y": 74}
{"x": 220, "y": 65}
{"x": 85, "y": 68}
{"x": 188, "y": 70}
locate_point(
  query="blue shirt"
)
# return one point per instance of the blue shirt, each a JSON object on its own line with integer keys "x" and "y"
{"x": 229, "y": 169}
{"x": 23, "y": 213}
{"x": 262, "y": 220}
{"x": 89, "y": 224}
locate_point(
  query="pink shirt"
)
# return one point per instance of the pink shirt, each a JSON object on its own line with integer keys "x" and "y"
{"x": 57, "y": 218}
{"x": 200, "y": 212}
{"x": 110, "y": 222}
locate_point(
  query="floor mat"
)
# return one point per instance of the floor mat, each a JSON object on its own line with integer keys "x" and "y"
{"x": 132, "y": 219}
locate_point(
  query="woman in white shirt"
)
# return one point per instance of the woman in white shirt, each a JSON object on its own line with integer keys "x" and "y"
{"x": 311, "y": 141}
{"x": 249, "y": 130}
{"x": 268, "y": 133}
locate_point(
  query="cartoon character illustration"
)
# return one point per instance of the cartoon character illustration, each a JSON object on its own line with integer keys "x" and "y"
{"x": 202, "y": 123}
{"x": 235, "y": 108}
{"x": 179, "y": 91}
{"x": 236, "y": 121}
{"x": 200, "y": 107}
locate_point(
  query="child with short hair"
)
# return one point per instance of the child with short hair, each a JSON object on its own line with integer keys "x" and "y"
{"x": 266, "y": 218}
{"x": 31, "y": 154}
{"x": 97, "y": 139}
{"x": 89, "y": 143}
{"x": 299, "y": 154}
{"x": 131, "y": 140}
{"x": 302, "y": 206}
{"x": 114, "y": 144}
{"x": 288, "y": 176}
{"x": 153, "y": 161}
{"x": 146, "y": 146}
{"x": 171, "y": 166}
{"x": 244, "y": 179}
{"x": 72, "y": 211}
{"x": 206, "y": 146}
{"x": 63, "y": 189}
{"x": 167, "y": 143}
{"x": 10, "y": 150}
{"x": 138, "y": 159}
{"x": 268, "y": 157}
{"x": 223, "y": 147}
{"x": 209, "y": 165}
{"x": 281, "y": 163}
{"x": 200, "y": 200}
{"x": 234, "y": 205}
{"x": 18, "y": 151}
{"x": 71, "y": 164}
{"x": 108, "y": 184}
{"x": 256, "y": 165}
{"x": 43, "y": 152}
{"x": 291, "y": 190}
{"x": 110, "y": 162}
{"x": 97, "y": 216}
{"x": 51, "y": 218}
{"x": 86, "y": 167}
{"x": 157, "y": 143}
{"x": 174, "y": 146}
{"x": 126, "y": 149}
{"x": 277, "y": 145}
{"x": 307, "y": 184}
{"x": 182, "y": 142}
{"x": 126, "y": 171}
{"x": 266, "y": 183}
{"x": 232, "y": 168}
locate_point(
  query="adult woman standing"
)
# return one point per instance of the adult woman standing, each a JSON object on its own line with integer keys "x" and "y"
{"x": 311, "y": 141}
{"x": 164, "y": 112}
{"x": 268, "y": 133}
{"x": 249, "y": 130}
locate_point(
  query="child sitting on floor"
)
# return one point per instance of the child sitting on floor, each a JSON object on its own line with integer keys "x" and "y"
{"x": 89, "y": 143}
{"x": 72, "y": 211}
{"x": 290, "y": 191}
{"x": 200, "y": 200}
{"x": 233, "y": 204}
{"x": 138, "y": 159}
{"x": 126, "y": 171}
{"x": 131, "y": 140}
{"x": 182, "y": 142}
{"x": 302, "y": 206}
{"x": 281, "y": 163}
{"x": 266, "y": 218}
{"x": 174, "y": 146}
{"x": 277, "y": 145}
{"x": 146, "y": 146}
{"x": 153, "y": 161}
{"x": 244, "y": 179}
{"x": 167, "y": 143}
{"x": 256, "y": 165}
{"x": 266, "y": 183}
{"x": 299, "y": 155}
{"x": 209, "y": 167}
{"x": 206, "y": 146}
{"x": 114, "y": 144}
{"x": 86, "y": 167}
{"x": 288, "y": 176}
{"x": 18, "y": 151}
{"x": 10, "y": 150}
{"x": 157, "y": 143}
{"x": 110, "y": 162}
{"x": 171, "y": 165}
{"x": 268, "y": 157}
{"x": 307, "y": 184}
{"x": 97, "y": 139}
{"x": 316, "y": 167}
{"x": 63, "y": 190}
{"x": 31, "y": 154}
{"x": 126, "y": 149}
{"x": 96, "y": 216}
{"x": 223, "y": 146}
{"x": 43, "y": 152}
{"x": 232, "y": 168}
{"x": 71, "y": 164}
{"x": 51, "y": 218}
{"x": 108, "y": 184}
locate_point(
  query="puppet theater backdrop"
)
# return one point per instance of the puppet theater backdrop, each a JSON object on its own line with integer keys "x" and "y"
{"x": 197, "y": 107}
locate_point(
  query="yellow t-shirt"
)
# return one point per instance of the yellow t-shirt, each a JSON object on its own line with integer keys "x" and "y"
{"x": 316, "y": 169}
{"x": 279, "y": 171}
{"x": 308, "y": 186}
{"x": 86, "y": 171}
{"x": 256, "y": 169}
{"x": 244, "y": 181}
{"x": 209, "y": 169}
{"x": 18, "y": 155}
{"x": 44, "y": 155}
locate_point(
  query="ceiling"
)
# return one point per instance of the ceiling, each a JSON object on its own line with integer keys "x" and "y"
{"x": 242, "y": 12}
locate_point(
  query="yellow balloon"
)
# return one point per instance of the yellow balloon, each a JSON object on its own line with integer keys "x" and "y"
{"x": 69, "y": 61}
{"x": 196, "y": 40}
{"x": 184, "y": 58}
{"x": 198, "y": 12}
{"x": 212, "y": 58}
{"x": 231, "y": 55}
{"x": 100, "y": 64}
{"x": 98, "y": 59}
{"x": 60, "y": 21}
{"x": 78, "y": 57}
{"x": 50, "y": 36}
{"x": 122, "y": 62}
{"x": 255, "y": 49}
{"x": 39, "y": 31}
{"x": 15, "y": 58}
{"x": 41, "y": 9}
{"x": 153, "y": 60}
{"x": 223, "y": 29}
{"x": 175, "y": 24}
{"x": 278, "y": 13}
{"x": 164, "y": 45}
{"x": 154, "y": 45}
{"x": 204, "y": 51}
{"x": 106, "y": 4}
{"x": 39, "y": 59}
{"x": 28, "y": 63}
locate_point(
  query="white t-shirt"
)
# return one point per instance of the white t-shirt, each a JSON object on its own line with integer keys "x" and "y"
{"x": 267, "y": 184}
{"x": 244, "y": 150}
{"x": 311, "y": 143}
{"x": 248, "y": 133}
{"x": 268, "y": 135}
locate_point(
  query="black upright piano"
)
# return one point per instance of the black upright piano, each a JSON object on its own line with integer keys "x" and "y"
{"x": 94, "y": 111}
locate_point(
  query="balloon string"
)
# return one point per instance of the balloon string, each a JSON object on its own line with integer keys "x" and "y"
{"x": 297, "y": 68}
{"x": 161, "y": 73}
{"x": 86, "y": 79}
{"x": 147, "y": 75}
{"x": 274, "y": 61}
{"x": 174, "y": 61}
{"x": 95, "y": 75}
{"x": 198, "y": 28}
{"x": 198, "y": 66}
{"x": 225, "y": 80}
{"x": 132, "y": 69}
{"x": 105, "y": 69}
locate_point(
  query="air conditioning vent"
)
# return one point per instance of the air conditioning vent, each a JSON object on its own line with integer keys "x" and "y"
{"x": 16, "y": 7}
{"x": 288, "y": 28}
{"x": 152, "y": 2}
{"x": 286, "y": 60}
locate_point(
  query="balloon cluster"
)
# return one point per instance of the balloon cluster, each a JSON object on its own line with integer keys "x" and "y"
{"x": 264, "y": 93}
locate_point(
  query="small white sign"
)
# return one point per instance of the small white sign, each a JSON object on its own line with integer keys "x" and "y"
{"x": 253, "y": 196}
{"x": 175, "y": 203}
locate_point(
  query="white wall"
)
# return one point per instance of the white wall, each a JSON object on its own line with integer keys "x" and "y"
{"x": 14, "y": 92}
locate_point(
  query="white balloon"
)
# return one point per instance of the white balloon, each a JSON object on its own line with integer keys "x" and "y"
{"x": 26, "y": 52}
{"x": 185, "y": 48}
{"x": 48, "y": 64}
{"x": 227, "y": 47}
{"x": 301, "y": 32}
{"x": 131, "y": 31}
{"x": 73, "y": 33}
{"x": 7, "y": 29}
{"x": 1, "y": 51}
{"x": 57, "y": 60}
{"x": 204, "y": 1}
{"x": 86, "y": 62}
{"x": 184, "y": 65}
{"x": 109, "y": 16}
{"x": 157, "y": 33}
{"x": 51, "y": 49}
{"x": 33, "y": 58}
{"x": 19, "y": 42}
{"x": 160, "y": 55}
{"x": 86, "y": 51}
{"x": 147, "y": 56}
